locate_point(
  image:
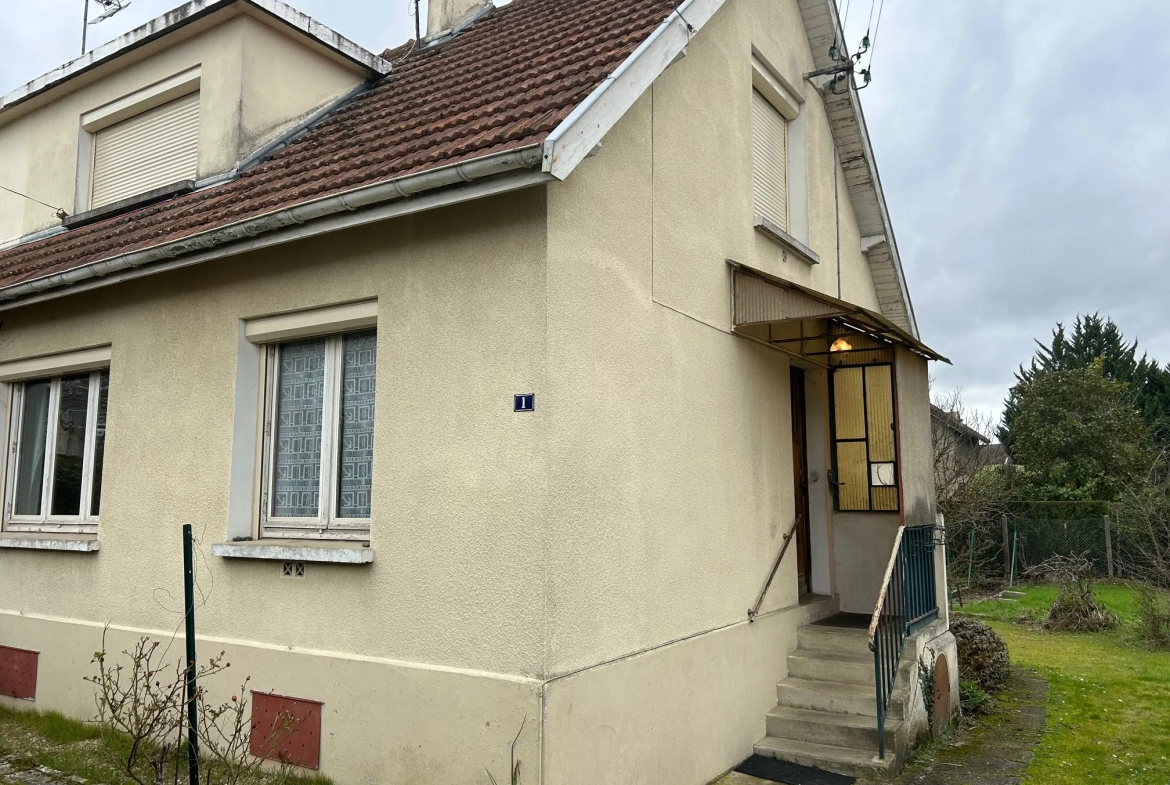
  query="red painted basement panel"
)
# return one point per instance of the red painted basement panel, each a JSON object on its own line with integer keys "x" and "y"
{"x": 298, "y": 720}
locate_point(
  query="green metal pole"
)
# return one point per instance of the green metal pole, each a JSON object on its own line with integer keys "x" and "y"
{"x": 189, "y": 604}
{"x": 971, "y": 559}
{"x": 1015, "y": 539}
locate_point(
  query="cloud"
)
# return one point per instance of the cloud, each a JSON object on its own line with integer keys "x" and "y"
{"x": 1024, "y": 159}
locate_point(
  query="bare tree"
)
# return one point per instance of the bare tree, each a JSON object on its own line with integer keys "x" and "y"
{"x": 970, "y": 481}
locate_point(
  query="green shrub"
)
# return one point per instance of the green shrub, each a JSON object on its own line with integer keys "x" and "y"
{"x": 972, "y": 699}
{"x": 1153, "y": 610}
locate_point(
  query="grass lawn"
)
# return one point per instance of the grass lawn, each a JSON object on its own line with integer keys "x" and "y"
{"x": 1109, "y": 705}
{"x": 31, "y": 739}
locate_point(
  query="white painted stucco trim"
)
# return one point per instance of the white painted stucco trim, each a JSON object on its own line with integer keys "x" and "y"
{"x": 41, "y": 542}
{"x": 579, "y": 133}
{"x": 273, "y": 550}
{"x": 180, "y": 17}
{"x": 56, "y": 364}
{"x": 140, "y": 101}
{"x": 317, "y": 321}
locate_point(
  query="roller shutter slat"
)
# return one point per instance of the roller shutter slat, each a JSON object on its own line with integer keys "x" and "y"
{"x": 150, "y": 150}
{"x": 770, "y": 161}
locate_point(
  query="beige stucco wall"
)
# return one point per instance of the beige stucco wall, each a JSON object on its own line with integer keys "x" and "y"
{"x": 255, "y": 82}
{"x": 682, "y": 713}
{"x": 701, "y": 140}
{"x": 383, "y": 721}
{"x": 674, "y": 486}
{"x": 461, "y": 303}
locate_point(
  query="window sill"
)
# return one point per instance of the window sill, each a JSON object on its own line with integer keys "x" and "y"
{"x": 295, "y": 550}
{"x": 131, "y": 203}
{"x": 50, "y": 542}
{"x": 786, "y": 241}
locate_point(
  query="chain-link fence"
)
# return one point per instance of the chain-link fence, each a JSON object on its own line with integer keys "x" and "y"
{"x": 1002, "y": 548}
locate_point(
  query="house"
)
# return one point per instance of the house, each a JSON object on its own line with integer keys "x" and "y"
{"x": 496, "y": 375}
{"x": 959, "y": 451}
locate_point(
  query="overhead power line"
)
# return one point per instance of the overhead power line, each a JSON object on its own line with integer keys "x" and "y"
{"x": 876, "y": 30}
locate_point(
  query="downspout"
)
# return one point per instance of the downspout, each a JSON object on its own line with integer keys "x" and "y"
{"x": 400, "y": 188}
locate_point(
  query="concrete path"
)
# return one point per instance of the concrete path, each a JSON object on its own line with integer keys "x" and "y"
{"x": 998, "y": 749}
{"x": 10, "y": 774}
{"x": 993, "y": 751}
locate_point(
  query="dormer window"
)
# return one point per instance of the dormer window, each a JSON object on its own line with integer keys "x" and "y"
{"x": 148, "y": 151}
{"x": 142, "y": 142}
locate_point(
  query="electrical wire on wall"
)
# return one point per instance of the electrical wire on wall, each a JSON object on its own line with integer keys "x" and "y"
{"x": 59, "y": 211}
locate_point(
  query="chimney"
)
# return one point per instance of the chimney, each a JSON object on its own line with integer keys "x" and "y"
{"x": 445, "y": 15}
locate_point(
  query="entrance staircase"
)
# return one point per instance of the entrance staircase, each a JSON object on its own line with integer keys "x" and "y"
{"x": 825, "y": 715}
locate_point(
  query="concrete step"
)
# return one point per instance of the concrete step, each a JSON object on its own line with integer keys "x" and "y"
{"x": 813, "y": 637}
{"x": 833, "y": 696}
{"x": 842, "y": 760}
{"x": 839, "y": 730}
{"x": 832, "y": 665}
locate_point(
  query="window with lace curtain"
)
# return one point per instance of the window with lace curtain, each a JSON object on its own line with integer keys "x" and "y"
{"x": 318, "y": 436}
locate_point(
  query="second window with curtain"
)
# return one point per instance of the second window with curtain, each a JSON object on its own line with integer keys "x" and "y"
{"x": 319, "y": 437}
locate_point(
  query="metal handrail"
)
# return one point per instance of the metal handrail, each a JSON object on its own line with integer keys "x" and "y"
{"x": 894, "y": 552}
{"x": 755, "y": 609}
{"x": 907, "y": 601}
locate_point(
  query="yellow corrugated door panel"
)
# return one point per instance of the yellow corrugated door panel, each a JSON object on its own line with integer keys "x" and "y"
{"x": 879, "y": 404}
{"x": 849, "y": 403}
{"x": 770, "y": 158}
{"x": 885, "y": 499}
{"x": 853, "y": 476}
{"x": 150, "y": 150}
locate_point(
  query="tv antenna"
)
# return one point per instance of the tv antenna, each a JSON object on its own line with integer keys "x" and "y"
{"x": 110, "y": 7}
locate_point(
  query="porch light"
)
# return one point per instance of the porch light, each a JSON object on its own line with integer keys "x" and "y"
{"x": 841, "y": 345}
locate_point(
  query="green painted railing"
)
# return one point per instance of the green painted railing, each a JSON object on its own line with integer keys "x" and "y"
{"x": 907, "y": 602}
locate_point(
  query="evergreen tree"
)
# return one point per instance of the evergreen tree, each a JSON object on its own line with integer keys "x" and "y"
{"x": 1077, "y": 438}
{"x": 1094, "y": 337}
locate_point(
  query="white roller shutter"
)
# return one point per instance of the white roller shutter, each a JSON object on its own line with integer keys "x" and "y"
{"x": 770, "y": 157}
{"x": 147, "y": 151}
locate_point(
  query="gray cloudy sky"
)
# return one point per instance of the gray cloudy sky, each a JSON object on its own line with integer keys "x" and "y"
{"x": 1023, "y": 147}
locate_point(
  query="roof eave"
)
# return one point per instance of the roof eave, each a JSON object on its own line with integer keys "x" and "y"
{"x": 181, "y": 17}
{"x": 580, "y": 133}
{"x": 474, "y": 179}
{"x": 823, "y": 27}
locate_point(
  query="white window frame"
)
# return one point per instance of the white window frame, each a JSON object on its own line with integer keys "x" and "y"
{"x": 327, "y": 524}
{"x": 787, "y": 100}
{"x": 132, "y": 105}
{"x": 83, "y": 523}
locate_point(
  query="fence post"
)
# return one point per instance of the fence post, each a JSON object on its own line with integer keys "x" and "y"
{"x": 1108, "y": 548}
{"x": 1007, "y": 559}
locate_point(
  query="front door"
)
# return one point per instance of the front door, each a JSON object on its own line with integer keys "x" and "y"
{"x": 800, "y": 480}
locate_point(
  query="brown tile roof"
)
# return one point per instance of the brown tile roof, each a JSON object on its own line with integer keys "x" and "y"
{"x": 503, "y": 84}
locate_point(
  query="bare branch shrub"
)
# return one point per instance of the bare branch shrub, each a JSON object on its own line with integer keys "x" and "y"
{"x": 225, "y": 736}
{"x": 1075, "y": 608}
{"x": 143, "y": 698}
{"x": 1153, "y": 611}
{"x": 1142, "y": 527}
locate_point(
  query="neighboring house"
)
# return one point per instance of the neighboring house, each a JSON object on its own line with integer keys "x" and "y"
{"x": 493, "y": 375}
{"x": 959, "y": 451}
